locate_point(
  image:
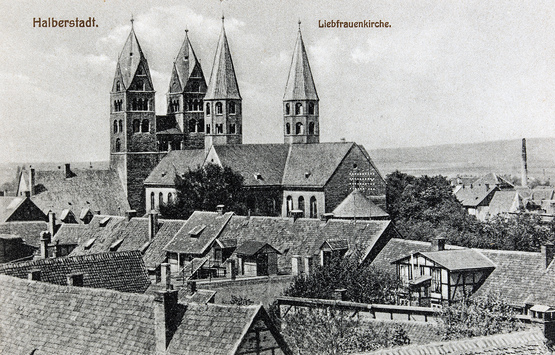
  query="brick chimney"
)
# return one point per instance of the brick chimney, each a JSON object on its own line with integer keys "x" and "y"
{"x": 45, "y": 238}
{"x": 165, "y": 276}
{"x": 548, "y": 252}
{"x": 165, "y": 309}
{"x": 152, "y": 224}
{"x": 130, "y": 214}
{"x": 296, "y": 214}
{"x": 32, "y": 181}
{"x": 220, "y": 209}
{"x": 327, "y": 216}
{"x": 51, "y": 223}
{"x": 34, "y": 275}
{"x": 438, "y": 243}
{"x": 75, "y": 279}
{"x": 67, "y": 171}
{"x": 339, "y": 294}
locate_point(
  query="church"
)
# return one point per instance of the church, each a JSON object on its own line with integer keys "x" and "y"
{"x": 204, "y": 125}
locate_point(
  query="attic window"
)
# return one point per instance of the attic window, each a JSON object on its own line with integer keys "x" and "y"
{"x": 104, "y": 221}
{"x": 115, "y": 245}
{"x": 195, "y": 232}
{"x": 258, "y": 176}
{"x": 89, "y": 243}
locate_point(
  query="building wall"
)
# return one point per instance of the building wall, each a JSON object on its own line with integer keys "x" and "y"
{"x": 259, "y": 340}
{"x": 341, "y": 183}
{"x": 157, "y": 190}
{"x": 139, "y": 167}
{"x": 307, "y": 195}
{"x": 27, "y": 211}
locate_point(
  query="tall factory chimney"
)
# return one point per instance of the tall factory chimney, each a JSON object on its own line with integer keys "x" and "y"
{"x": 524, "y": 171}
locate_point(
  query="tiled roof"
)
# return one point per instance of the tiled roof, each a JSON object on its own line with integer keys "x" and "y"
{"x": 418, "y": 332}
{"x": 14, "y": 209}
{"x": 250, "y": 247}
{"x": 505, "y": 201}
{"x": 525, "y": 343}
{"x": 223, "y": 82}
{"x": 155, "y": 254}
{"x": 356, "y": 205}
{"x": 175, "y": 163}
{"x": 129, "y": 59}
{"x": 212, "y": 329}
{"x": 492, "y": 179}
{"x": 29, "y": 231}
{"x": 102, "y": 233}
{"x": 539, "y": 194}
{"x": 474, "y": 196}
{"x": 186, "y": 62}
{"x": 88, "y": 188}
{"x": 198, "y": 233}
{"x": 300, "y": 84}
{"x": 121, "y": 271}
{"x": 459, "y": 259}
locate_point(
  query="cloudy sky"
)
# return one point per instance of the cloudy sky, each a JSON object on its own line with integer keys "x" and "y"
{"x": 444, "y": 72}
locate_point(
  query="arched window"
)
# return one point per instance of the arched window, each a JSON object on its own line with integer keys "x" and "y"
{"x": 116, "y": 126}
{"x": 120, "y": 125}
{"x": 299, "y": 129}
{"x": 152, "y": 206}
{"x": 289, "y": 205}
{"x": 298, "y": 108}
{"x": 232, "y": 107}
{"x": 118, "y": 145}
{"x": 207, "y": 108}
{"x": 192, "y": 125}
{"x": 219, "y": 109}
{"x": 208, "y": 128}
{"x": 200, "y": 126}
{"x": 311, "y": 128}
{"x": 287, "y": 109}
{"x": 118, "y": 86}
{"x": 311, "y": 108}
{"x": 145, "y": 126}
{"x": 313, "y": 208}
{"x": 301, "y": 204}
{"x": 160, "y": 199}
{"x": 136, "y": 126}
{"x": 140, "y": 85}
{"x": 170, "y": 198}
{"x": 195, "y": 105}
{"x": 287, "y": 128}
{"x": 134, "y": 106}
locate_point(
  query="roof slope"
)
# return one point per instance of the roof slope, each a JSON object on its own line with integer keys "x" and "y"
{"x": 186, "y": 62}
{"x": 459, "y": 259}
{"x": 300, "y": 84}
{"x": 130, "y": 58}
{"x": 175, "y": 164}
{"x": 223, "y": 82}
{"x": 19, "y": 209}
{"x": 101, "y": 228}
{"x": 121, "y": 271}
{"x": 356, "y": 205}
{"x": 493, "y": 179}
{"x": 29, "y": 231}
{"x": 504, "y": 201}
{"x": 474, "y": 196}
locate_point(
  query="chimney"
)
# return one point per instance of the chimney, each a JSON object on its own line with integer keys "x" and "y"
{"x": 165, "y": 304}
{"x": 191, "y": 287}
{"x": 31, "y": 181}
{"x": 67, "y": 170}
{"x": 524, "y": 171}
{"x": 75, "y": 279}
{"x": 51, "y": 223}
{"x": 327, "y": 216}
{"x": 548, "y": 252}
{"x": 438, "y": 244}
{"x": 339, "y": 294}
{"x": 27, "y": 194}
{"x": 45, "y": 238}
{"x": 296, "y": 214}
{"x": 166, "y": 277}
{"x": 230, "y": 269}
{"x": 130, "y": 214}
{"x": 220, "y": 209}
{"x": 152, "y": 225}
{"x": 34, "y": 275}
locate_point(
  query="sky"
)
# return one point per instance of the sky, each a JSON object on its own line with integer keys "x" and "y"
{"x": 445, "y": 71}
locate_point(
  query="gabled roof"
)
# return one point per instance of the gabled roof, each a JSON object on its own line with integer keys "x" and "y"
{"x": 336, "y": 244}
{"x": 102, "y": 233}
{"x": 493, "y": 179}
{"x": 121, "y": 271}
{"x": 185, "y": 242}
{"x": 504, "y": 201}
{"x": 185, "y": 64}
{"x": 544, "y": 193}
{"x": 458, "y": 259}
{"x": 357, "y": 205}
{"x": 19, "y": 209}
{"x": 29, "y": 231}
{"x": 223, "y": 82}
{"x": 300, "y": 84}
{"x": 475, "y": 195}
{"x": 130, "y": 58}
{"x": 251, "y": 247}
{"x": 175, "y": 164}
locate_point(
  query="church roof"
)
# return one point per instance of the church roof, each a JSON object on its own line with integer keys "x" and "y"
{"x": 300, "y": 85}
{"x": 223, "y": 82}
{"x": 185, "y": 62}
{"x": 129, "y": 59}
{"x": 175, "y": 163}
{"x": 359, "y": 206}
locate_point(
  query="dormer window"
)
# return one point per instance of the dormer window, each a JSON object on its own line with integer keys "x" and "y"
{"x": 104, "y": 221}
{"x": 258, "y": 176}
{"x": 196, "y": 231}
{"x": 115, "y": 245}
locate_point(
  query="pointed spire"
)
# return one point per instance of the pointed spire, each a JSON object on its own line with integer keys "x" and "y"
{"x": 223, "y": 82}
{"x": 300, "y": 84}
{"x": 186, "y": 60}
{"x": 130, "y": 57}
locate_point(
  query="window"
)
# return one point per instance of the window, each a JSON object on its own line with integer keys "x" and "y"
{"x": 140, "y": 84}
{"x": 190, "y": 105}
{"x": 311, "y": 128}
{"x": 118, "y": 145}
{"x": 298, "y": 108}
{"x": 289, "y": 205}
{"x": 220, "y": 128}
{"x": 232, "y": 107}
{"x": 200, "y": 126}
{"x": 192, "y": 125}
{"x": 287, "y": 109}
{"x": 145, "y": 127}
{"x": 219, "y": 109}
{"x": 299, "y": 129}
{"x": 208, "y": 128}
{"x": 232, "y": 128}
{"x": 196, "y": 106}
{"x": 313, "y": 208}
{"x": 287, "y": 128}
{"x": 208, "y": 108}
{"x": 115, "y": 126}
{"x": 311, "y": 108}
{"x": 160, "y": 199}
{"x": 152, "y": 200}
{"x": 136, "y": 126}
{"x": 118, "y": 86}
{"x": 134, "y": 104}
{"x": 301, "y": 204}
{"x": 436, "y": 280}
{"x": 120, "y": 125}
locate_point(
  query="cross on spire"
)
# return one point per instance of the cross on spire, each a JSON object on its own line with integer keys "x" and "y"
{"x": 132, "y": 20}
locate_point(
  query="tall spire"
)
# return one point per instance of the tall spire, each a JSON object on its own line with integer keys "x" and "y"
{"x": 300, "y": 85}
{"x": 131, "y": 58}
{"x": 186, "y": 61}
{"x": 223, "y": 82}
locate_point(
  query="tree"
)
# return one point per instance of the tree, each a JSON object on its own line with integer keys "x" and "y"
{"x": 203, "y": 189}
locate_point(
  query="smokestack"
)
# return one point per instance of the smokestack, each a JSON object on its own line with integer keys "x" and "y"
{"x": 524, "y": 176}
{"x": 44, "y": 241}
{"x": 165, "y": 304}
{"x": 31, "y": 182}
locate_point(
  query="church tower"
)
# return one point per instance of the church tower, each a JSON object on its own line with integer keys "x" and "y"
{"x": 222, "y": 103}
{"x": 300, "y": 102}
{"x": 133, "y": 150}
{"x": 185, "y": 96}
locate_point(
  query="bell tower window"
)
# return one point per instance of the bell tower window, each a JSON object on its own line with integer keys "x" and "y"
{"x": 232, "y": 107}
{"x": 287, "y": 109}
{"x": 145, "y": 126}
{"x": 298, "y": 108}
{"x": 118, "y": 86}
{"x": 311, "y": 108}
{"x": 120, "y": 125}
{"x": 287, "y": 128}
{"x": 118, "y": 145}
{"x": 299, "y": 129}
{"x": 192, "y": 125}
{"x": 207, "y": 108}
{"x": 219, "y": 108}
{"x": 311, "y": 128}
{"x": 232, "y": 128}
{"x": 115, "y": 126}
{"x": 200, "y": 126}
{"x": 136, "y": 126}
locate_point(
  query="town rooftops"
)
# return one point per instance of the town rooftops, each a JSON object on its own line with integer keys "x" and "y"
{"x": 251, "y": 247}
{"x": 29, "y": 231}
{"x": 457, "y": 259}
{"x": 504, "y": 201}
{"x": 492, "y": 179}
{"x": 475, "y": 195}
{"x": 122, "y": 271}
